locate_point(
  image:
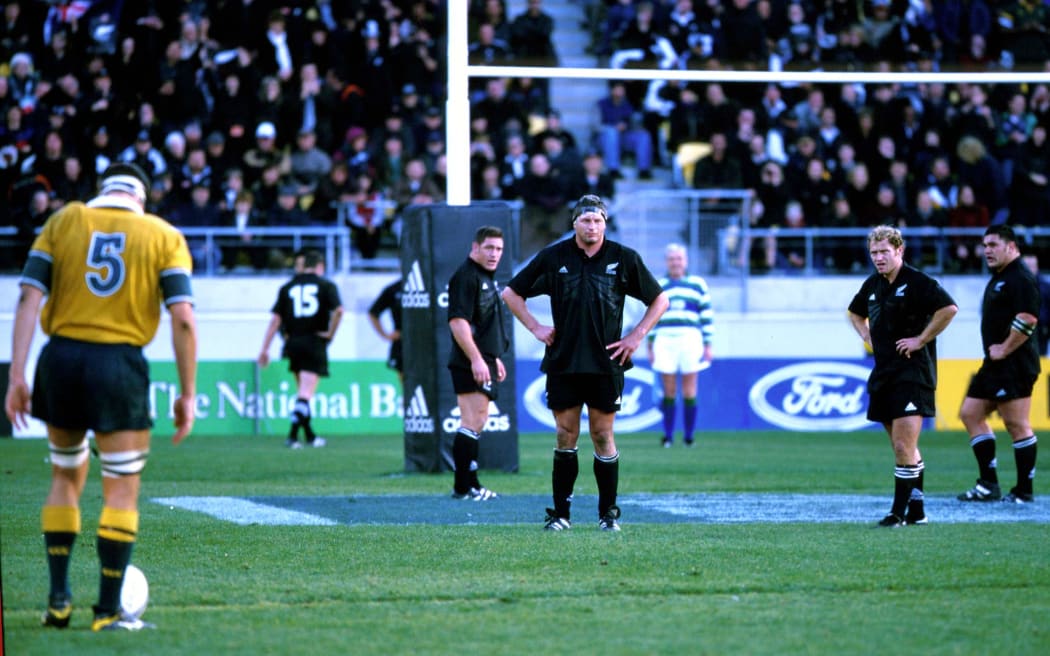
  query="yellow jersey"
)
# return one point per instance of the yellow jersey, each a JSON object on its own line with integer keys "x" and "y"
{"x": 106, "y": 267}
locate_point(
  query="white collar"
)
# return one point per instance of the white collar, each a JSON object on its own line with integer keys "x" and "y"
{"x": 118, "y": 202}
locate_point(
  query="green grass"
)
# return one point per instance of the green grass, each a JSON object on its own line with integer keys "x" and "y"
{"x": 219, "y": 588}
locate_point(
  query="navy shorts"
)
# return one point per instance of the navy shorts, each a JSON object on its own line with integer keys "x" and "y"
{"x": 463, "y": 382}
{"x": 307, "y": 353}
{"x": 82, "y": 385}
{"x": 901, "y": 400}
{"x": 994, "y": 382}
{"x": 597, "y": 391}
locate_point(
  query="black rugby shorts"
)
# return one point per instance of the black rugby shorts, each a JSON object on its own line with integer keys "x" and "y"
{"x": 463, "y": 382}
{"x": 307, "y": 353}
{"x": 1000, "y": 383}
{"x": 597, "y": 391}
{"x": 901, "y": 400}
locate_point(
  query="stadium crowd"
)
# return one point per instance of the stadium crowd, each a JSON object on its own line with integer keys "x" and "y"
{"x": 255, "y": 113}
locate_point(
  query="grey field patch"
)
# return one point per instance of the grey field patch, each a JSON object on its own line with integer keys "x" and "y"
{"x": 637, "y": 509}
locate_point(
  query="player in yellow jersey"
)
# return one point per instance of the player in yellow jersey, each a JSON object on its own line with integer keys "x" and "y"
{"x": 106, "y": 267}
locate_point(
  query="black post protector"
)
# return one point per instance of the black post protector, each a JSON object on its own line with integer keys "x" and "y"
{"x": 435, "y": 240}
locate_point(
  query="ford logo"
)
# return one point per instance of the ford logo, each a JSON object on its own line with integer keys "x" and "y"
{"x": 638, "y": 384}
{"x": 813, "y": 396}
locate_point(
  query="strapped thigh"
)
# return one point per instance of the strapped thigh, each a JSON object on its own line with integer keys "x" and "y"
{"x": 123, "y": 463}
{"x": 69, "y": 457}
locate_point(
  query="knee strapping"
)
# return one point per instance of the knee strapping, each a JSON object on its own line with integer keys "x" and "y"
{"x": 123, "y": 463}
{"x": 69, "y": 457}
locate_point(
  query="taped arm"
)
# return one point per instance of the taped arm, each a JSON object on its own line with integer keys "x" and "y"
{"x": 1022, "y": 327}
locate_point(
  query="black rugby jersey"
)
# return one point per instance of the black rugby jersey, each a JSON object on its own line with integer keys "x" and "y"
{"x": 1009, "y": 292}
{"x": 474, "y": 295}
{"x": 895, "y": 311}
{"x": 587, "y": 298}
{"x": 305, "y": 304}
{"x": 389, "y": 299}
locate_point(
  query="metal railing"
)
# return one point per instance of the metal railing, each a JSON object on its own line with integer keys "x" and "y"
{"x": 935, "y": 245}
{"x": 335, "y": 242}
{"x": 714, "y": 227}
{"x": 714, "y": 232}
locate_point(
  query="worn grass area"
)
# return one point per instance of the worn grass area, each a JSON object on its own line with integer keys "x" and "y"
{"x": 220, "y": 588}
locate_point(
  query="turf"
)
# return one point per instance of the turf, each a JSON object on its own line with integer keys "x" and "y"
{"x": 697, "y": 588}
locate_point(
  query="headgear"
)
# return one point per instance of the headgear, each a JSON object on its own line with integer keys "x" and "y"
{"x": 126, "y": 177}
{"x": 587, "y": 204}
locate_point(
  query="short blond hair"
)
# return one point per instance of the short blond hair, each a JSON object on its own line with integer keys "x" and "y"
{"x": 886, "y": 233}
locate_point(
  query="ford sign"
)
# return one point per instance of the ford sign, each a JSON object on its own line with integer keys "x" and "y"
{"x": 813, "y": 396}
{"x": 638, "y": 384}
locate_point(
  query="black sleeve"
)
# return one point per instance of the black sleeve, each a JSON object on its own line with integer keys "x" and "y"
{"x": 1027, "y": 298}
{"x": 529, "y": 281}
{"x": 279, "y": 304}
{"x": 462, "y": 291}
{"x": 332, "y": 291}
{"x": 382, "y": 302}
{"x": 938, "y": 297}
{"x": 642, "y": 284}
{"x": 859, "y": 304}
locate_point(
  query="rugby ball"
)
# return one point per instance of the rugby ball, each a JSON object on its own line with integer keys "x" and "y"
{"x": 134, "y": 594}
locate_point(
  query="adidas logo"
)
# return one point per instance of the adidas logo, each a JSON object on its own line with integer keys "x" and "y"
{"x": 563, "y": 269}
{"x": 910, "y": 407}
{"x": 497, "y": 421}
{"x": 1001, "y": 392}
{"x": 414, "y": 294}
{"x": 872, "y": 297}
{"x": 417, "y": 417}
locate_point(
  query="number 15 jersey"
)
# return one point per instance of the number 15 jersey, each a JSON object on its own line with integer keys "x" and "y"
{"x": 305, "y": 304}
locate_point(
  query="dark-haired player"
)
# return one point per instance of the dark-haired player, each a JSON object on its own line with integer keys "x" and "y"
{"x": 479, "y": 338}
{"x": 898, "y": 312}
{"x": 389, "y": 300}
{"x": 1009, "y": 314}
{"x": 588, "y": 279}
{"x": 307, "y": 313}
{"x": 106, "y": 267}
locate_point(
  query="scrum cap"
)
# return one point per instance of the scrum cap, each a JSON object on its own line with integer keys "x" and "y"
{"x": 125, "y": 177}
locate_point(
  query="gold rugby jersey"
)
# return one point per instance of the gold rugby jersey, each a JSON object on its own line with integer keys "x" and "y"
{"x": 106, "y": 267}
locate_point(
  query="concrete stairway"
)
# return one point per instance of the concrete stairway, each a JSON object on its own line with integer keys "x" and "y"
{"x": 574, "y": 98}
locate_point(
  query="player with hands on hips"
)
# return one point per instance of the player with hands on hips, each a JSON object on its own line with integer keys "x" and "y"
{"x": 587, "y": 279}
{"x": 899, "y": 311}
